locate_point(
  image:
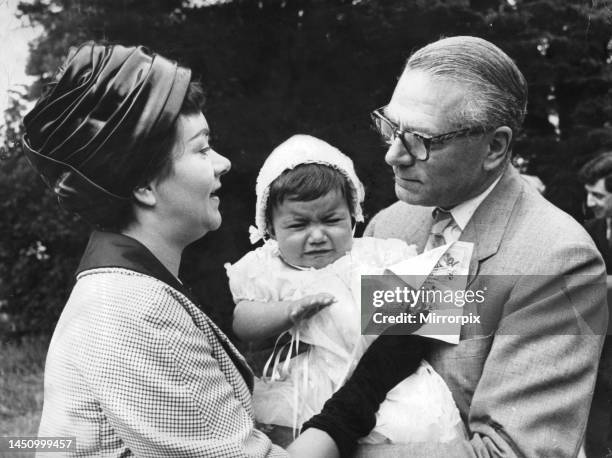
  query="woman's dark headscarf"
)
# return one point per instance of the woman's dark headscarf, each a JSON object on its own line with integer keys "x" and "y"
{"x": 92, "y": 136}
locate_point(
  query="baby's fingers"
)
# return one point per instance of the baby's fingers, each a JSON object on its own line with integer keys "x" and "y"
{"x": 322, "y": 299}
{"x": 310, "y": 305}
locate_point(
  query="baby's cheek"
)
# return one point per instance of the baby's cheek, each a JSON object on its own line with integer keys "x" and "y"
{"x": 344, "y": 240}
{"x": 291, "y": 246}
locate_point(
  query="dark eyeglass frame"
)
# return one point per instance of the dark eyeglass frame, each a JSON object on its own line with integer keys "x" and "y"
{"x": 427, "y": 140}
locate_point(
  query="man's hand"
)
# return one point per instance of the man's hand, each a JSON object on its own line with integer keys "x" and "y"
{"x": 307, "y": 306}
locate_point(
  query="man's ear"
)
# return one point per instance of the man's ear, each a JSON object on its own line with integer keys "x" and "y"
{"x": 145, "y": 195}
{"x": 499, "y": 147}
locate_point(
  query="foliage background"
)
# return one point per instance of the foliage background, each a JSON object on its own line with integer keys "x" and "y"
{"x": 273, "y": 68}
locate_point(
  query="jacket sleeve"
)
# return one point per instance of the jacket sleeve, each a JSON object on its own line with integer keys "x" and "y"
{"x": 535, "y": 391}
{"x": 165, "y": 393}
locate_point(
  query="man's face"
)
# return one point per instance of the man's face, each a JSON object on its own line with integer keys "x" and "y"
{"x": 599, "y": 200}
{"x": 454, "y": 171}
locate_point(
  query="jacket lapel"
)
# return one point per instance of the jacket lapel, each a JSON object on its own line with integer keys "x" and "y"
{"x": 490, "y": 220}
{"x": 233, "y": 353}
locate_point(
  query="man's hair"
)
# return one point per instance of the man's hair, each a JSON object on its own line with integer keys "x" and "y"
{"x": 597, "y": 168}
{"x": 496, "y": 88}
{"x": 304, "y": 183}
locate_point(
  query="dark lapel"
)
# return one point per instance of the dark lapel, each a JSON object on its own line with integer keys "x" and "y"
{"x": 107, "y": 249}
{"x": 490, "y": 220}
{"x": 597, "y": 229}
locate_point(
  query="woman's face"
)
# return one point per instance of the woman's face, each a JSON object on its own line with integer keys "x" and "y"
{"x": 187, "y": 197}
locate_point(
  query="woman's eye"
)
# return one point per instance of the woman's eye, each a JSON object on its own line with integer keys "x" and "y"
{"x": 205, "y": 150}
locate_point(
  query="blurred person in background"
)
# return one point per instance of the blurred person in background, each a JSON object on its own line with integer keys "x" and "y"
{"x": 596, "y": 176}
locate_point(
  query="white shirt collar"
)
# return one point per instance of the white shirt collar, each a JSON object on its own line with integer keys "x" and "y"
{"x": 464, "y": 211}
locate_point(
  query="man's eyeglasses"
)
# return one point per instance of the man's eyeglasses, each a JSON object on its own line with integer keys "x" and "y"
{"x": 417, "y": 145}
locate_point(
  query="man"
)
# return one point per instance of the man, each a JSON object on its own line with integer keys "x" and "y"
{"x": 596, "y": 175}
{"x": 523, "y": 377}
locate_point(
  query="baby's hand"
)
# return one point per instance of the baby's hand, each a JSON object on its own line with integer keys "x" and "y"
{"x": 308, "y": 306}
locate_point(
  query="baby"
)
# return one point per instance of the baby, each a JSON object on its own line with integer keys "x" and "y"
{"x": 305, "y": 280}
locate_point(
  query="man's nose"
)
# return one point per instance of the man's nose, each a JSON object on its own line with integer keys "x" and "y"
{"x": 590, "y": 200}
{"x": 397, "y": 155}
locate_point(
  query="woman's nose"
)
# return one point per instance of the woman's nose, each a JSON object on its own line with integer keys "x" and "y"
{"x": 397, "y": 155}
{"x": 221, "y": 164}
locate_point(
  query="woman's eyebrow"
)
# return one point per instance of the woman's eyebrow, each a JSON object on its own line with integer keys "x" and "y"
{"x": 203, "y": 132}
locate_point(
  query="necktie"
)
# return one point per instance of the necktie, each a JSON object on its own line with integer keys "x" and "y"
{"x": 441, "y": 220}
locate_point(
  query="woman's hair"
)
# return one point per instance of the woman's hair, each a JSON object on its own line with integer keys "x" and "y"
{"x": 304, "y": 183}
{"x": 117, "y": 216}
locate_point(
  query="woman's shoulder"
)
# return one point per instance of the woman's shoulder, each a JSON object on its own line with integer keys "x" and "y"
{"x": 126, "y": 294}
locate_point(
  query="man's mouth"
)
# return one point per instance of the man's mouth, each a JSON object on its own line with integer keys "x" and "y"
{"x": 406, "y": 183}
{"x": 402, "y": 179}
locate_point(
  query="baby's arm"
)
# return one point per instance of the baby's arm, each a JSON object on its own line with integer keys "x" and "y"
{"x": 255, "y": 320}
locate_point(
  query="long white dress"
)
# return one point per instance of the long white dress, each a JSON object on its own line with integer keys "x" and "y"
{"x": 420, "y": 408}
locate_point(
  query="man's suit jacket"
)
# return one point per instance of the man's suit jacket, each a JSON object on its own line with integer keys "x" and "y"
{"x": 597, "y": 230}
{"x": 523, "y": 378}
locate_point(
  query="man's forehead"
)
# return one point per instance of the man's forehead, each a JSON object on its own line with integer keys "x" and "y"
{"x": 420, "y": 101}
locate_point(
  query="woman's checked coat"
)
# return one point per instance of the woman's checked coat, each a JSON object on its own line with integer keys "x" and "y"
{"x": 136, "y": 368}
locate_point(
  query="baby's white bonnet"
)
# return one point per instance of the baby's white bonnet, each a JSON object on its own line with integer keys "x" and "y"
{"x": 297, "y": 150}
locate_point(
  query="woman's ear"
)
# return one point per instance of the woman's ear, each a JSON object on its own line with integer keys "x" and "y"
{"x": 499, "y": 147}
{"x": 145, "y": 195}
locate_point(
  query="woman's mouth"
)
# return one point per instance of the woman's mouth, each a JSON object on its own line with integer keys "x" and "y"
{"x": 214, "y": 196}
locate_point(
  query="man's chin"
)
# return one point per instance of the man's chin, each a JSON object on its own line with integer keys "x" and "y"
{"x": 411, "y": 197}
{"x": 598, "y": 215}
